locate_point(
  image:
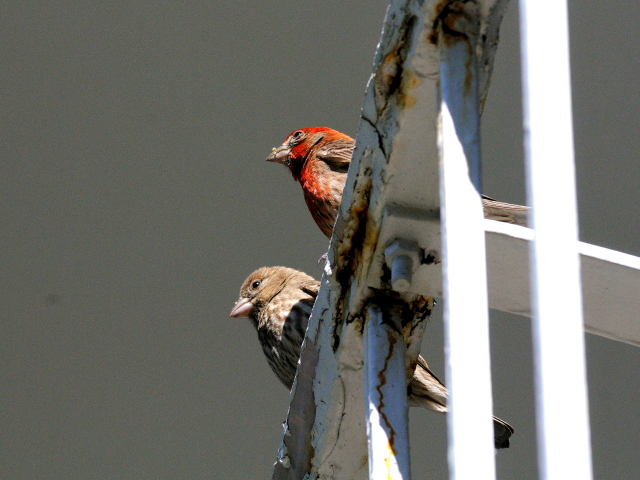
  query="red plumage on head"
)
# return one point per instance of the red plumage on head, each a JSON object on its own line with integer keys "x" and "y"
{"x": 312, "y": 139}
{"x": 318, "y": 159}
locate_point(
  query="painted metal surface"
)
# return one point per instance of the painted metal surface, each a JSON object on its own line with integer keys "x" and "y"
{"x": 397, "y": 132}
{"x": 466, "y": 311}
{"x": 386, "y": 394}
{"x": 558, "y": 333}
{"x": 392, "y": 192}
{"x": 610, "y": 282}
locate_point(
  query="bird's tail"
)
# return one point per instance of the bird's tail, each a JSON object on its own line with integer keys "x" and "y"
{"x": 502, "y": 431}
{"x": 427, "y": 391}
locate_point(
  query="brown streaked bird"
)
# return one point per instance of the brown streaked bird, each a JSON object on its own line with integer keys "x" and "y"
{"x": 278, "y": 302}
{"x": 319, "y": 159}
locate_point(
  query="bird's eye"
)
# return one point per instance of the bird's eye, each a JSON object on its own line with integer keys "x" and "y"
{"x": 255, "y": 284}
{"x": 298, "y": 134}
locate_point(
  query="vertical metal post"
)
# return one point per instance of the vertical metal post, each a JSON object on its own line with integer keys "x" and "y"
{"x": 386, "y": 393}
{"x": 459, "y": 90}
{"x": 558, "y": 334}
{"x": 471, "y": 454}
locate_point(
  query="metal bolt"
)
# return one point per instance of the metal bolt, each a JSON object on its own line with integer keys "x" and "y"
{"x": 402, "y": 256}
{"x": 401, "y": 273}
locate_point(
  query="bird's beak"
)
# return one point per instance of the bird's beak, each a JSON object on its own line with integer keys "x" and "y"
{"x": 242, "y": 309}
{"x": 280, "y": 154}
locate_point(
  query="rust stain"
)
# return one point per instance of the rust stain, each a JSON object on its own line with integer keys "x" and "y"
{"x": 468, "y": 78}
{"x": 383, "y": 381}
{"x": 390, "y": 76}
{"x": 432, "y": 257}
{"x": 390, "y": 65}
{"x": 450, "y": 19}
{"x": 350, "y": 249}
{"x": 452, "y": 25}
{"x": 409, "y": 101}
{"x": 411, "y": 80}
{"x": 440, "y": 7}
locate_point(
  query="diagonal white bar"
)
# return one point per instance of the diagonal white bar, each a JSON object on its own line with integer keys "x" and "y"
{"x": 385, "y": 386}
{"x": 466, "y": 308}
{"x": 558, "y": 334}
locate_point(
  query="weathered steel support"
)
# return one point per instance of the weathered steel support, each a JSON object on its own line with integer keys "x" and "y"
{"x": 558, "y": 333}
{"x": 386, "y": 394}
{"x": 392, "y": 192}
{"x": 463, "y": 244}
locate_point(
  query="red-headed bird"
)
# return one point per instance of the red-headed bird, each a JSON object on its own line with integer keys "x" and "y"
{"x": 319, "y": 159}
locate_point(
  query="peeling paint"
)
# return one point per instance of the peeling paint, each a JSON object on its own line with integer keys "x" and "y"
{"x": 457, "y": 19}
{"x": 348, "y": 252}
{"x": 477, "y": 23}
{"x": 390, "y": 74}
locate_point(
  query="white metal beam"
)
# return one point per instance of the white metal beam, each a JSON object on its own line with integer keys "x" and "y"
{"x": 466, "y": 316}
{"x": 610, "y": 279}
{"x": 558, "y": 333}
{"x": 610, "y": 282}
{"x": 466, "y": 310}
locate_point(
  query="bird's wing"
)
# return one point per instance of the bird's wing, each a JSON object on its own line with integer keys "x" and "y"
{"x": 311, "y": 288}
{"x": 422, "y": 364}
{"x": 337, "y": 154}
{"x": 427, "y": 390}
{"x": 505, "y": 212}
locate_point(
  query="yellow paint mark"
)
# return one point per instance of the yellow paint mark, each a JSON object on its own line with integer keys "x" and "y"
{"x": 389, "y": 461}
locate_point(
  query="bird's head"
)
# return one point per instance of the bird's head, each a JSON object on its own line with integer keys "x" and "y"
{"x": 296, "y": 149}
{"x": 259, "y": 289}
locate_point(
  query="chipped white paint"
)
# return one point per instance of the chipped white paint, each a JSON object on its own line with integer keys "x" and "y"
{"x": 386, "y": 391}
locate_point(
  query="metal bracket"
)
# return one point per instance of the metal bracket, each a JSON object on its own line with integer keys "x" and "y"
{"x": 408, "y": 248}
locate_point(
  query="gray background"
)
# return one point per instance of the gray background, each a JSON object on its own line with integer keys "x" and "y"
{"x": 136, "y": 199}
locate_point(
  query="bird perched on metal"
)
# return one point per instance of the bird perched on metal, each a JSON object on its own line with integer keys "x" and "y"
{"x": 319, "y": 159}
{"x": 278, "y": 302}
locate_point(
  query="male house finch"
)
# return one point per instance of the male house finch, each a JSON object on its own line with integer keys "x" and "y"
{"x": 319, "y": 158}
{"x": 278, "y": 301}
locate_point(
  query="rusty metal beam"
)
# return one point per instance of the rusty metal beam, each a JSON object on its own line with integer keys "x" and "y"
{"x": 391, "y": 204}
{"x": 392, "y": 191}
{"x": 386, "y": 394}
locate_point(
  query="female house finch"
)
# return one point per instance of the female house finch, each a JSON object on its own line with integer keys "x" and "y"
{"x": 319, "y": 158}
{"x": 278, "y": 301}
